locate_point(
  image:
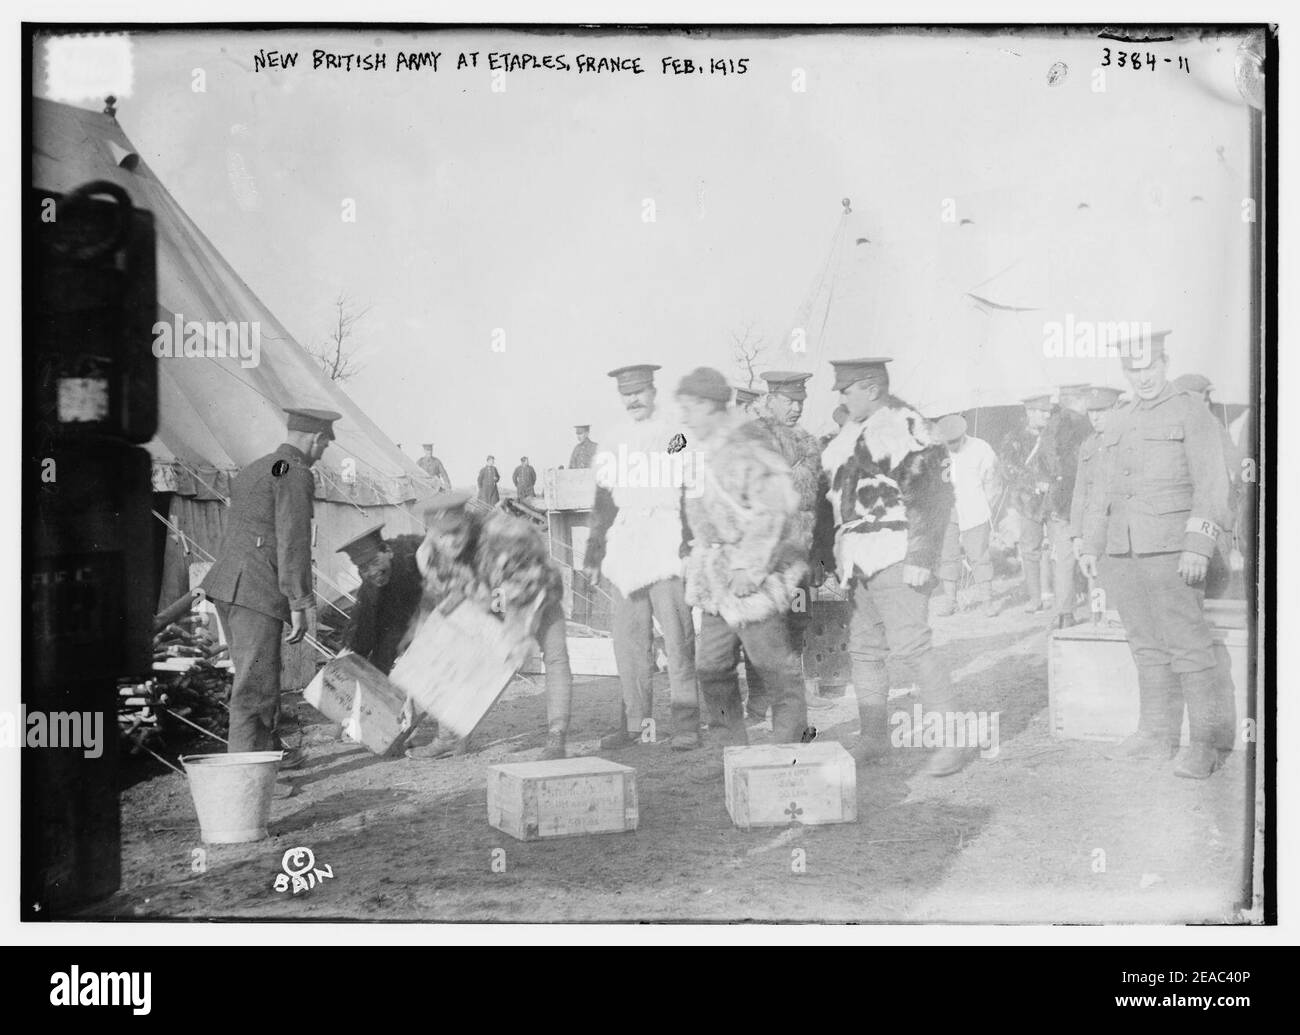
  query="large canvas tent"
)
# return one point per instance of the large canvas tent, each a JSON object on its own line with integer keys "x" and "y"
{"x": 215, "y": 413}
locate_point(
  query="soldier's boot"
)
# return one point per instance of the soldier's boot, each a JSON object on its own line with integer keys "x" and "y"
{"x": 620, "y": 736}
{"x": 443, "y": 744}
{"x": 1201, "y": 756}
{"x": 720, "y": 692}
{"x": 555, "y": 747}
{"x": 871, "y": 685}
{"x": 1159, "y": 699}
{"x": 984, "y": 595}
{"x": 686, "y": 726}
{"x": 790, "y": 720}
{"x": 1033, "y": 587}
{"x": 945, "y": 603}
{"x": 937, "y": 695}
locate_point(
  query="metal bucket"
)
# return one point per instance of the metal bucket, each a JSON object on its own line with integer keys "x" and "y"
{"x": 232, "y": 793}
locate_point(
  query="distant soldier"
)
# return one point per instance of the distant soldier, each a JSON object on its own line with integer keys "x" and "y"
{"x": 488, "y": 476}
{"x": 433, "y": 467}
{"x": 1154, "y": 521}
{"x": 891, "y": 506}
{"x": 262, "y": 576}
{"x": 973, "y": 471}
{"x": 1042, "y": 460}
{"x": 584, "y": 453}
{"x": 525, "y": 479}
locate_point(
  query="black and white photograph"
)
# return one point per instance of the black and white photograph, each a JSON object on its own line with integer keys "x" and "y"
{"x": 620, "y": 473}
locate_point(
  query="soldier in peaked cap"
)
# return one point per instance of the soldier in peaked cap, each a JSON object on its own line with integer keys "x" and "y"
{"x": 388, "y": 597}
{"x": 1155, "y": 517}
{"x": 433, "y": 467}
{"x": 1041, "y": 458}
{"x": 781, "y": 410}
{"x": 747, "y": 399}
{"x": 584, "y": 453}
{"x": 1099, "y": 401}
{"x": 891, "y": 503}
{"x": 262, "y": 577}
{"x": 637, "y": 542}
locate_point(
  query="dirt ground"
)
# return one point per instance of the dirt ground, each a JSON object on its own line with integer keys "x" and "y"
{"x": 1048, "y": 831}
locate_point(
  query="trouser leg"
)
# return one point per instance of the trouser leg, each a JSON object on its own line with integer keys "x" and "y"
{"x": 1177, "y": 617}
{"x": 949, "y": 570}
{"x": 869, "y": 650}
{"x": 552, "y": 636}
{"x": 633, "y": 646}
{"x": 255, "y": 696}
{"x": 1031, "y": 547}
{"x": 716, "y": 658}
{"x": 975, "y": 544}
{"x": 759, "y": 701}
{"x": 668, "y": 598}
{"x": 1063, "y": 565}
{"x": 768, "y": 643}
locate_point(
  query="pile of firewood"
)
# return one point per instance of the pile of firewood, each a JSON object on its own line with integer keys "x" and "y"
{"x": 161, "y": 714}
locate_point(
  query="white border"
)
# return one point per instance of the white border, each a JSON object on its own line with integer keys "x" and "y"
{"x": 671, "y": 11}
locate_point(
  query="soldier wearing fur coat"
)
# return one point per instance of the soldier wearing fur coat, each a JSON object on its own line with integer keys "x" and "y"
{"x": 781, "y": 411}
{"x": 636, "y": 542}
{"x": 891, "y": 508}
{"x": 746, "y": 560}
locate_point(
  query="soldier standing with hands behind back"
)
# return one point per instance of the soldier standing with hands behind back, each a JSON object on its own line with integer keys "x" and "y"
{"x": 1161, "y": 503}
{"x": 262, "y": 577}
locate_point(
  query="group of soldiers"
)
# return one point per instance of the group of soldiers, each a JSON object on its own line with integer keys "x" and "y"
{"x": 755, "y": 512}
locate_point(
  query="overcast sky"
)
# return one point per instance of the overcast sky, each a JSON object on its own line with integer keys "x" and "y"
{"x": 524, "y": 210}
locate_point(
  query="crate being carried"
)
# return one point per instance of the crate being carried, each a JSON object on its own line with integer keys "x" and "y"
{"x": 351, "y": 691}
{"x": 458, "y": 664}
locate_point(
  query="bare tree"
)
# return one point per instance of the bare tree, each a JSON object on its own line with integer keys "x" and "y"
{"x": 336, "y": 355}
{"x": 747, "y": 348}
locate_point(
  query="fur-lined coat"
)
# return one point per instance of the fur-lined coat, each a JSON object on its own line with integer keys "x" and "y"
{"x": 743, "y": 513}
{"x": 804, "y": 455}
{"x": 636, "y": 522}
{"x": 890, "y": 499}
{"x": 505, "y": 568}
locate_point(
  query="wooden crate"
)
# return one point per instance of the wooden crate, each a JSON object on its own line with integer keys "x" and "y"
{"x": 776, "y": 785}
{"x": 1092, "y": 691}
{"x": 563, "y": 798}
{"x": 569, "y": 489}
{"x": 459, "y": 664}
{"x": 351, "y": 691}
